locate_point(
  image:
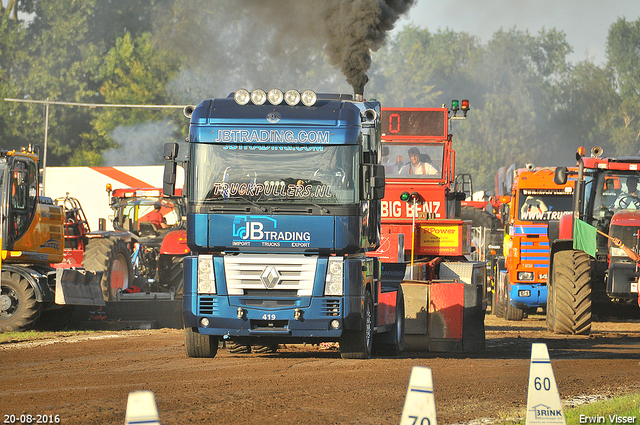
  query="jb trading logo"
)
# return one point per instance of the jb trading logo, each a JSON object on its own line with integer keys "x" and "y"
{"x": 265, "y": 231}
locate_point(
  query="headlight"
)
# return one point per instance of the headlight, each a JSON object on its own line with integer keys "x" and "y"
{"x": 275, "y": 96}
{"x": 206, "y": 275}
{"x": 525, "y": 275}
{"x": 242, "y": 97}
{"x": 309, "y": 98}
{"x": 258, "y": 97}
{"x": 292, "y": 97}
{"x": 334, "y": 281}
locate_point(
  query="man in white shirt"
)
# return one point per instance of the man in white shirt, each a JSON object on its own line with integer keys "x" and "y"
{"x": 416, "y": 166}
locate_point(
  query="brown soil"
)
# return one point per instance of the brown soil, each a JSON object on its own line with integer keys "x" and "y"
{"x": 86, "y": 380}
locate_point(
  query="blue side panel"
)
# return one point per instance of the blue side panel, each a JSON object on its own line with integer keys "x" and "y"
{"x": 197, "y": 225}
{"x": 537, "y": 298}
{"x": 347, "y": 232}
{"x": 189, "y": 296}
{"x": 531, "y": 229}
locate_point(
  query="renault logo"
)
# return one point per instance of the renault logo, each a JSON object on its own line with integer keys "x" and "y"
{"x": 270, "y": 277}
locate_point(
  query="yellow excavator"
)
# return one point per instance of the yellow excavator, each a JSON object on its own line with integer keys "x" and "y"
{"x": 36, "y": 288}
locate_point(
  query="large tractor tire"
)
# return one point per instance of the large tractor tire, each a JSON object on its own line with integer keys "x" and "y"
{"x": 20, "y": 310}
{"x": 199, "y": 345}
{"x": 483, "y": 219}
{"x": 551, "y": 295}
{"x": 171, "y": 273}
{"x": 358, "y": 344}
{"x": 480, "y": 218}
{"x": 112, "y": 257}
{"x": 571, "y": 305}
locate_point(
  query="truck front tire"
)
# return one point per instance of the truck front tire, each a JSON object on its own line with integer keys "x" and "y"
{"x": 511, "y": 312}
{"x": 358, "y": 344}
{"x": 20, "y": 310}
{"x": 199, "y": 345}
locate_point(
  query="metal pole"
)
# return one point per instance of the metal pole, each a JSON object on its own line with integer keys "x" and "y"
{"x": 413, "y": 232}
{"x": 46, "y": 137}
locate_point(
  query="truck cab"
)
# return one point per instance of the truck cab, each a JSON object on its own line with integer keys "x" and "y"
{"x": 534, "y": 201}
{"x": 283, "y": 202}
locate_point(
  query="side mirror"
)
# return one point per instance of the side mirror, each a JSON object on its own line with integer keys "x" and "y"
{"x": 170, "y": 169}
{"x": 171, "y": 151}
{"x": 169, "y": 178}
{"x": 373, "y": 181}
{"x": 378, "y": 182}
{"x": 560, "y": 176}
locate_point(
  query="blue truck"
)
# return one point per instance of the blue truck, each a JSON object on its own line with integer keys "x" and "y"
{"x": 283, "y": 203}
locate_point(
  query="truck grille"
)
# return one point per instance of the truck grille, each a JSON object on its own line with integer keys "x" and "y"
{"x": 208, "y": 305}
{"x": 270, "y": 274}
{"x": 331, "y": 307}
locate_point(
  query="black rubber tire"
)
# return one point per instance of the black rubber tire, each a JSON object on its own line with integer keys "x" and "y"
{"x": 572, "y": 288}
{"x": 237, "y": 348}
{"x": 199, "y": 345}
{"x": 20, "y": 310}
{"x": 265, "y": 349}
{"x": 172, "y": 273}
{"x": 393, "y": 342}
{"x": 480, "y": 218}
{"x": 112, "y": 257}
{"x": 55, "y": 319}
{"x": 494, "y": 302}
{"x": 358, "y": 344}
{"x": 511, "y": 312}
{"x": 500, "y": 295}
{"x": 550, "y": 307}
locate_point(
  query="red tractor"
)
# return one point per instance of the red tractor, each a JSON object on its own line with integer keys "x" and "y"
{"x": 137, "y": 254}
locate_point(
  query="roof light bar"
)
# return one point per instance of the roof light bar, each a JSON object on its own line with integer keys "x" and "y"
{"x": 292, "y": 97}
{"x": 258, "y": 97}
{"x": 309, "y": 98}
{"x": 242, "y": 97}
{"x": 275, "y": 96}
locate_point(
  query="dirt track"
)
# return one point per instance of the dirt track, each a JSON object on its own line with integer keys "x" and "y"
{"x": 87, "y": 380}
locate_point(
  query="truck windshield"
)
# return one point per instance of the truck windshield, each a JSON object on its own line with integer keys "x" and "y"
{"x": 542, "y": 205}
{"x": 409, "y": 160}
{"x": 615, "y": 191}
{"x": 327, "y": 175}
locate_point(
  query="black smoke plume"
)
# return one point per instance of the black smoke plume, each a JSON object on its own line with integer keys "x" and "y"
{"x": 355, "y": 28}
{"x": 349, "y": 30}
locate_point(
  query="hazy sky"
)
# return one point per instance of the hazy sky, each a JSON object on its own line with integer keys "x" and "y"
{"x": 585, "y": 22}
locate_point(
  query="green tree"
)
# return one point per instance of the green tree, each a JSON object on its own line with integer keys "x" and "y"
{"x": 64, "y": 49}
{"x": 623, "y": 54}
{"x": 511, "y": 120}
{"x": 12, "y": 33}
{"x": 417, "y": 68}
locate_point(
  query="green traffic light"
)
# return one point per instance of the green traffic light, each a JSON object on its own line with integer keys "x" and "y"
{"x": 455, "y": 105}
{"x": 404, "y": 196}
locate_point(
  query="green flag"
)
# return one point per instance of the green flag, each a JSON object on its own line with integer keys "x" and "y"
{"x": 584, "y": 237}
